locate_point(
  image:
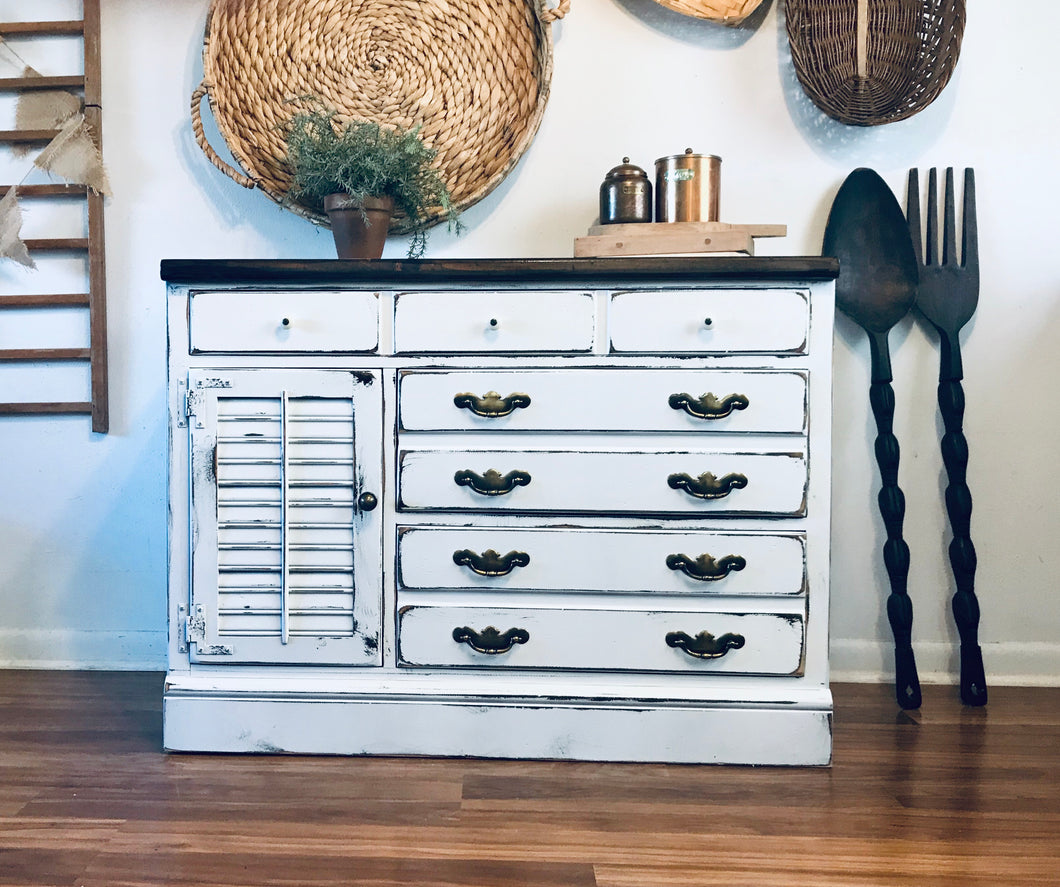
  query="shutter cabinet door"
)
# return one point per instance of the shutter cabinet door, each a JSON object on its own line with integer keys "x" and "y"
{"x": 285, "y": 564}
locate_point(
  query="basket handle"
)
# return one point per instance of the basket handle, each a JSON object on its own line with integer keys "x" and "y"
{"x": 200, "y": 136}
{"x": 548, "y": 15}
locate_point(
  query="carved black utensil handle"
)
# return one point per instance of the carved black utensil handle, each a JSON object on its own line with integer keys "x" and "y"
{"x": 892, "y": 508}
{"x": 962, "y": 552}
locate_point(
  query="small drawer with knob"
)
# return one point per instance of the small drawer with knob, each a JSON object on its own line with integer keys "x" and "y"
{"x": 748, "y": 401}
{"x": 710, "y": 321}
{"x": 666, "y": 562}
{"x": 613, "y": 639}
{"x": 494, "y": 322}
{"x": 684, "y": 483}
{"x": 265, "y": 322}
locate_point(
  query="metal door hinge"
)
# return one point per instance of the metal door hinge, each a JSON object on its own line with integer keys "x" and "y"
{"x": 192, "y": 400}
{"x": 192, "y": 627}
{"x": 193, "y": 631}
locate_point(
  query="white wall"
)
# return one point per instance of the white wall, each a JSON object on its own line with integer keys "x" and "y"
{"x": 83, "y": 516}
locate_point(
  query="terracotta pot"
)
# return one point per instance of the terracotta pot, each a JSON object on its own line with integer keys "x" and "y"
{"x": 359, "y": 227}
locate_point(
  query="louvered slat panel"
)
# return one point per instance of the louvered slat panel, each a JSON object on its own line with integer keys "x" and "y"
{"x": 250, "y": 477}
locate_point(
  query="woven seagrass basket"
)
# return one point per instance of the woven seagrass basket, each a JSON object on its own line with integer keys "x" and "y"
{"x": 474, "y": 75}
{"x": 728, "y": 12}
{"x": 868, "y": 62}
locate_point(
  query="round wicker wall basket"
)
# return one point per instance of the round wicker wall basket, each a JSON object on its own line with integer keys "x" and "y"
{"x": 868, "y": 62}
{"x": 474, "y": 75}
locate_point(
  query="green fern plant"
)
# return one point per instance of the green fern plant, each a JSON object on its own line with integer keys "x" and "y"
{"x": 364, "y": 159}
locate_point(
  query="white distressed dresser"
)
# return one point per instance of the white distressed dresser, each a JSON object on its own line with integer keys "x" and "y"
{"x": 553, "y": 508}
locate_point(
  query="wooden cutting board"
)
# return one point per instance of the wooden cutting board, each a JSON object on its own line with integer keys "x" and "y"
{"x": 672, "y": 238}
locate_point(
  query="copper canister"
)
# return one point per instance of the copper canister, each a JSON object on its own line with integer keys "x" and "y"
{"x": 625, "y": 195}
{"x": 687, "y": 188}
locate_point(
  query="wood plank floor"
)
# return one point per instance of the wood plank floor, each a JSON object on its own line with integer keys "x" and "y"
{"x": 944, "y": 796}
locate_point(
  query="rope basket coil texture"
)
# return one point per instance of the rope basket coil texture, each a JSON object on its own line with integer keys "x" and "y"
{"x": 474, "y": 74}
{"x": 728, "y": 12}
{"x": 869, "y": 62}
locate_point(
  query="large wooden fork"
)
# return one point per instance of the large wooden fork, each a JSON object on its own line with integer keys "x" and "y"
{"x": 949, "y": 292}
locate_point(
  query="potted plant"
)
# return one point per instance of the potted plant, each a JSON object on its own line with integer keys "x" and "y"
{"x": 359, "y": 173}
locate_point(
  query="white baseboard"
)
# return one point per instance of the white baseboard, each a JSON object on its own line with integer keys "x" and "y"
{"x": 83, "y": 650}
{"x": 860, "y": 661}
{"x": 1006, "y": 664}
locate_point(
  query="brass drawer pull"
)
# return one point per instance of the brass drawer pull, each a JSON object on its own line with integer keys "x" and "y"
{"x": 490, "y": 562}
{"x": 492, "y": 483}
{"x": 489, "y": 640}
{"x": 492, "y": 405}
{"x": 704, "y": 645}
{"x": 709, "y": 406}
{"x": 705, "y": 568}
{"x": 707, "y": 486}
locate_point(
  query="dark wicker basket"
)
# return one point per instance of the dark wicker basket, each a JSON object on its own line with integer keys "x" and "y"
{"x": 894, "y": 66}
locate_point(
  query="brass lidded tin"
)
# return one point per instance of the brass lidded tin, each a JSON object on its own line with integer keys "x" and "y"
{"x": 687, "y": 188}
{"x": 625, "y": 195}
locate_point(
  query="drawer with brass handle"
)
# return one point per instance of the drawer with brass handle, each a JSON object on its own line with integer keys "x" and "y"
{"x": 613, "y": 639}
{"x": 531, "y": 481}
{"x": 613, "y": 561}
{"x": 604, "y": 400}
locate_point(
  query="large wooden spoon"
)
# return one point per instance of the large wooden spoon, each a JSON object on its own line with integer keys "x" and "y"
{"x": 877, "y": 287}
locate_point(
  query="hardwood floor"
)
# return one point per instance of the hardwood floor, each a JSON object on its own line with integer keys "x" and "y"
{"x": 944, "y": 796}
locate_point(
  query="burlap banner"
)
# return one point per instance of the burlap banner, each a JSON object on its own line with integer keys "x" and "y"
{"x": 11, "y": 245}
{"x": 45, "y": 108}
{"x": 72, "y": 155}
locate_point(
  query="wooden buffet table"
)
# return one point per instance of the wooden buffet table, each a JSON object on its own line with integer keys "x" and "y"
{"x": 527, "y": 508}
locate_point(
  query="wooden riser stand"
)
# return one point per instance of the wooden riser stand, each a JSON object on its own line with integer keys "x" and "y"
{"x": 672, "y": 238}
{"x": 94, "y": 300}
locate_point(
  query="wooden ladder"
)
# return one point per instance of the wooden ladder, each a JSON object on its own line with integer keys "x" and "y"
{"x": 94, "y": 300}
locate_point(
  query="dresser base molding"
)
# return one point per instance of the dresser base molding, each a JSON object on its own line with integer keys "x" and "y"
{"x": 571, "y": 729}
